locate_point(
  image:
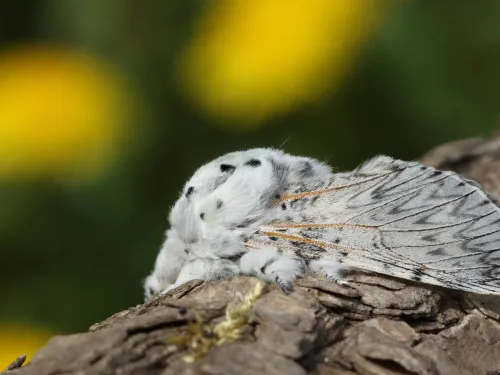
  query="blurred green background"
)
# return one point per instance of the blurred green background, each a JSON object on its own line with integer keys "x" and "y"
{"x": 107, "y": 107}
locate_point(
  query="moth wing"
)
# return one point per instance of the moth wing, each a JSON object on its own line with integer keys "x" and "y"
{"x": 397, "y": 218}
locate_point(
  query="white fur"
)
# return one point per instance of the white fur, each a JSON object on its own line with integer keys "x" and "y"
{"x": 247, "y": 193}
{"x": 205, "y": 269}
{"x": 169, "y": 263}
{"x": 332, "y": 269}
{"x": 273, "y": 266}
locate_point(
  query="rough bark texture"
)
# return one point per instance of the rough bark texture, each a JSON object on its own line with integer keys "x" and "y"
{"x": 375, "y": 326}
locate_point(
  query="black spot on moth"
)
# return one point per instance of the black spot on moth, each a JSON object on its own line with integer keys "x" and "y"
{"x": 439, "y": 252}
{"x": 227, "y": 168}
{"x": 234, "y": 257}
{"x": 308, "y": 234}
{"x": 273, "y": 238}
{"x": 253, "y": 163}
{"x": 337, "y": 240}
{"x": 435, "y": 173}
{"x": 245, "y": 223}
{"x": 417, "y": 274}
{"x": 202, "y": 216}
{"x": 263, "y": 268}
{"x": 189, "y": 191}
{"x": 300, "y": 189}
{"x": 394, "y": 168}
{"x": 219, "y": 204}
{"x": 283, "y": 206}
{"x": 429, "y": 238}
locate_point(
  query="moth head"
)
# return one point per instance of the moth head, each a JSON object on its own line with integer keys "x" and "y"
{"x": 234, "y": 189}
{"x": 214, "y": 174}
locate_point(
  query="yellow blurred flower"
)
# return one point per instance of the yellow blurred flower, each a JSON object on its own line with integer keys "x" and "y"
{"x": 253, "y": 59}
{"x": 62, "y": 113}
{"x": 17, "y": 339}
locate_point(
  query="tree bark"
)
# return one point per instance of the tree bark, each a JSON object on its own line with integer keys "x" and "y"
{"x": 376, "y": 325}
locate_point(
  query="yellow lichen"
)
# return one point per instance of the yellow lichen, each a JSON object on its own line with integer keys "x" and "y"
{"x": 200, "y": 337}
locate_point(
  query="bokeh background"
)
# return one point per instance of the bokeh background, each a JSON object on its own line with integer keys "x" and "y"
{"x": 108, "y": 106}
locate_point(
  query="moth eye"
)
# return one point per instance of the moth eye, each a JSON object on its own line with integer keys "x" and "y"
{"x": 151, "y": 291}
{"x": 227, "y": 168}
{"x": 253, "y": 163}
{"x": 189, "y": 191}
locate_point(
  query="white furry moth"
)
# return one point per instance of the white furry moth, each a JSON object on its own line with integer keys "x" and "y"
{"x": 266, "y": 213}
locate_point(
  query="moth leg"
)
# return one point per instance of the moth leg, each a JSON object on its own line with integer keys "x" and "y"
{"x": 330, "y": 268}
{"x": 273, "y": 266}
{"x": 206, "y": 269}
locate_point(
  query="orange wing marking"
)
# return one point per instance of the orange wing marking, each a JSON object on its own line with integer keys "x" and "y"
{"x": 325, "y": 225}
{"x": 287, "y": 197}
{"x": 291, "y": 237}
{"x": 327, "y": 245}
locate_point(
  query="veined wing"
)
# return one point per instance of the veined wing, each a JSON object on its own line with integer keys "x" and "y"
{"x": 397, "y": 218}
